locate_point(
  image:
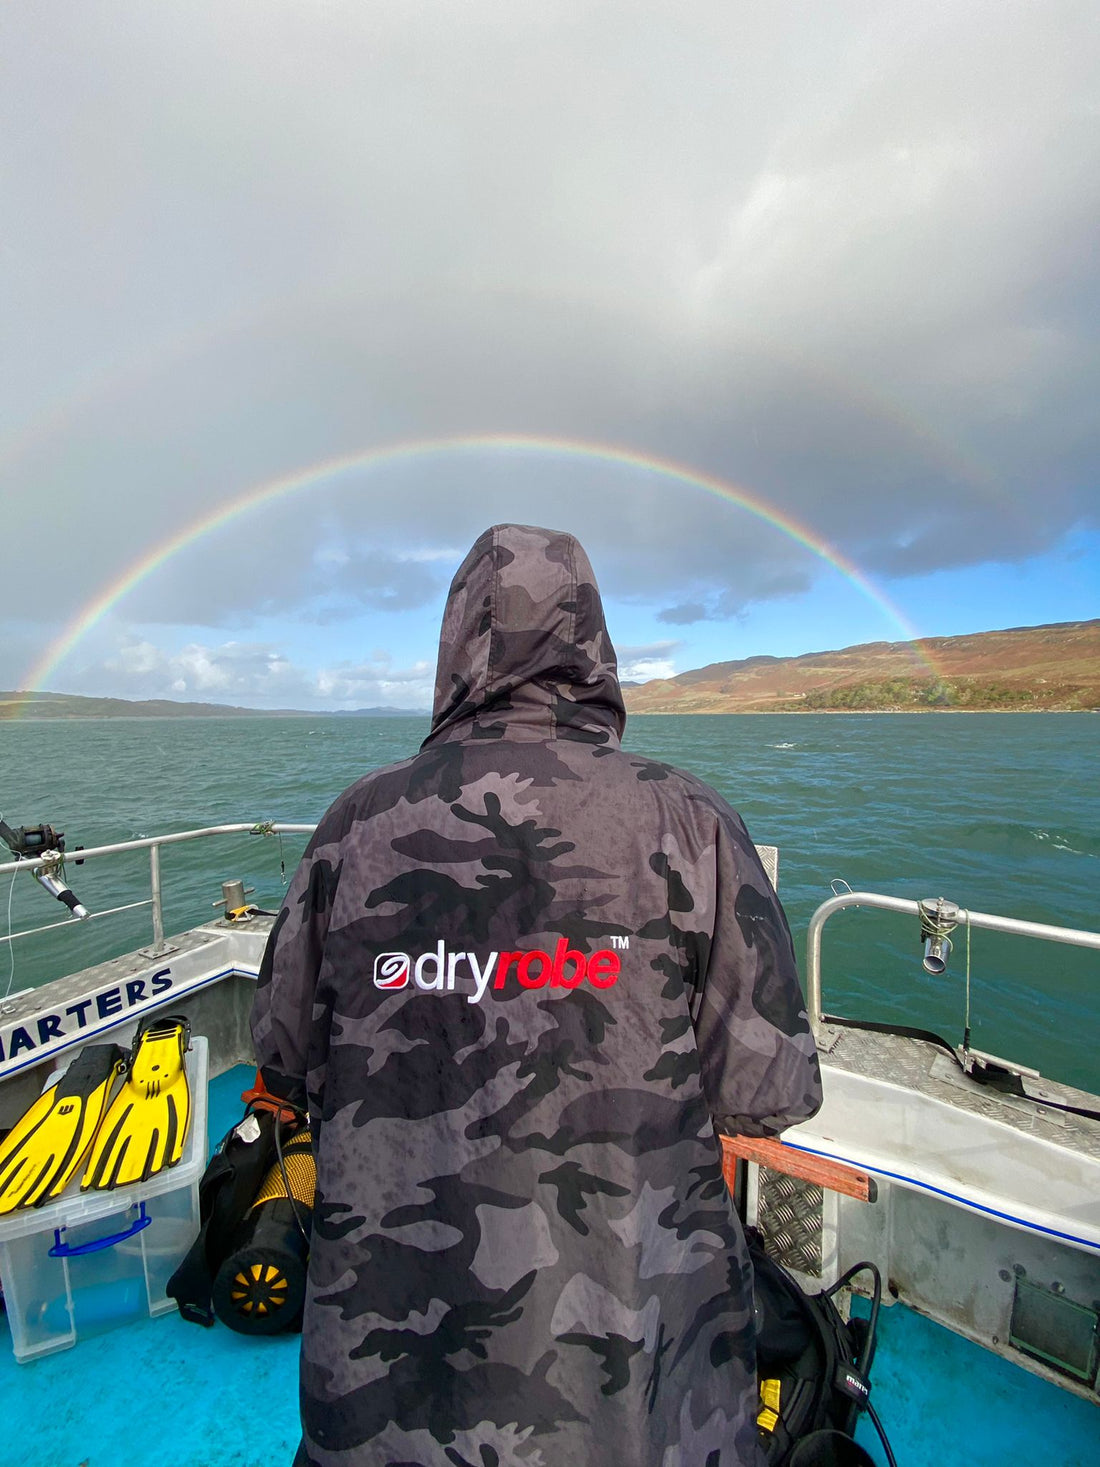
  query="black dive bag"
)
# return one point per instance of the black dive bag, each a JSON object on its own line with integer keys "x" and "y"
{"x": 236, "y": 1203}
{"x": 813, "y": 1368}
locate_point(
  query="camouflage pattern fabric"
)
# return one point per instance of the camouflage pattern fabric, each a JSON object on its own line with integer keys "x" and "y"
{"x": 522, "y": 978}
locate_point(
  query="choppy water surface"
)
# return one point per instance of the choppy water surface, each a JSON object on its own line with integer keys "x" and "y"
{"x": 998, "y": 812}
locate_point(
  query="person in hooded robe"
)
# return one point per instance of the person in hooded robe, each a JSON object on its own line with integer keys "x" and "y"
{"x": 522, "y": 982}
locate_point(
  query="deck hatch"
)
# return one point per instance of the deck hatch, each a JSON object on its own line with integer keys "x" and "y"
{"x": 1051, "y": 1327}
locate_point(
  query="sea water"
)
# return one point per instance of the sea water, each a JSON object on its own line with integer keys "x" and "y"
{"x": 997, "y": 812}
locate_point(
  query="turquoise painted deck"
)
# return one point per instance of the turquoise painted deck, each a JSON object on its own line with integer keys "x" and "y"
{"x": 168, "y": 1393}
{"x": 945, "y": 1401}
{"x": 160, "y": 1391}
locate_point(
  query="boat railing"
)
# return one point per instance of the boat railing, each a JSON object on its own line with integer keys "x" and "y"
{"x": 988, "y": 921}
{"x": 51, "y": 862}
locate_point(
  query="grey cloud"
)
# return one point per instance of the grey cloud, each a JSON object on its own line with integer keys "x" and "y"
{"x": 789, "y": 581}
{"x": 649, "y": 649}
{"x": 252, "y": 674}
{"x": 20, "y": 644}
{"x": 685, "y": 614}
{"x": 377, "y": 683}
{"x": 844, "y": 263}
{"x": 654, "y": 659}
{"x": 761, "y": 582}
{"x": 381, "y": 582}
{"x": 231, "y": 672}
{"x": 281, "y": 560}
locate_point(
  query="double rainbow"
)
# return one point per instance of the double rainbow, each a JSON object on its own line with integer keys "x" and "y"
{"x": 420, "y": 449}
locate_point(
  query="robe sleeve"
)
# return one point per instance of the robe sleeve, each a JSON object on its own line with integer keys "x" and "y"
{"x": 759, "y": 1062}
{"x": 286, "y": 988}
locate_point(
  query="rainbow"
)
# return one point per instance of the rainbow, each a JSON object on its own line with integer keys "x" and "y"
{"x": 382, "y": 457}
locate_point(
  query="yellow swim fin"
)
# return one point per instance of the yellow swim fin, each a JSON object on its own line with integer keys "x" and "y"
{"x": 146, "y": 1126}
{"x": 43, "y": 1151}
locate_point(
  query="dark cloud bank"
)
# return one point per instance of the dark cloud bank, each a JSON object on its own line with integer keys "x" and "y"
{"x": 844, "y": 258}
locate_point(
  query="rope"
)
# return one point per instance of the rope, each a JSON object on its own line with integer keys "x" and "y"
{"x": 267, "y": 827}
{"x": 935, "y": 924}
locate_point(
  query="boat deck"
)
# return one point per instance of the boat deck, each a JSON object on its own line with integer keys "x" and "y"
{"x": 168, "y": 1392}
{"x": 925, "y": 1069}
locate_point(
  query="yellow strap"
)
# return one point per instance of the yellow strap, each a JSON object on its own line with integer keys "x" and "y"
{"x": 769, "y": 1394}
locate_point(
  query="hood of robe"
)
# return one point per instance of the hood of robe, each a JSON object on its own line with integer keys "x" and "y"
{"x": 524, "y": 650}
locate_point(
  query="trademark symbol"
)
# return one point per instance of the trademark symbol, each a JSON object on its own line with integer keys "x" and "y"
{"x": 621, "y": 943}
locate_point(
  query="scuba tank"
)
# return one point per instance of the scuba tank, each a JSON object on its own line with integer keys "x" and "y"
{"x": 247, "y": 1267}
{"x": 261, "y": 1284}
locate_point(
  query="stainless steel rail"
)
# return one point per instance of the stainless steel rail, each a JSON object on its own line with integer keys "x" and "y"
{"x": 153, "y": 845}
{"x": 68, "y": 922}
{"x": 991, "y": 922}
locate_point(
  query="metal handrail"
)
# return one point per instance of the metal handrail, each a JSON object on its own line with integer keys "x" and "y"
{"x": 991, "y": 922}
{"x": 153, "y": 845}
{"x": 96, "y": 916}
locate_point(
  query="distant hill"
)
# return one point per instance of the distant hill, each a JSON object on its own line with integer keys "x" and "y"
{"x": 69, "y": 705}
{"x": 382, "y": 713}
{"x": 1045, "y": 668}
{"x": 1048, "y": 668}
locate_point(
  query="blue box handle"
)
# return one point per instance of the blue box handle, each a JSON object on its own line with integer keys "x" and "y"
{"x": 66, "y": 1250}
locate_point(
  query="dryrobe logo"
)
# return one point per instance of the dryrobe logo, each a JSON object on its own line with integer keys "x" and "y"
{"x": 391, "y": 970}
{"x": 441, "y": 971}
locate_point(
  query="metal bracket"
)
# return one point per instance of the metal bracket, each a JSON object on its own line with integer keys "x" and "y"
{"x": 158, "y": 950}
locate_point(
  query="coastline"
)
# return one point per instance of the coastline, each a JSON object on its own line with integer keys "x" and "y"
{"x": 833, "y": 712}
{"x": 265, "y": 715}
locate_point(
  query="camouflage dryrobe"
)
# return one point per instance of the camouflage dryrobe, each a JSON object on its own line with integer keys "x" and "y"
{"x": 518, "y": 975}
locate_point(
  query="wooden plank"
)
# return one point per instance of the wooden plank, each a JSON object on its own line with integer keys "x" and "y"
{"x": 835, "y": 1176}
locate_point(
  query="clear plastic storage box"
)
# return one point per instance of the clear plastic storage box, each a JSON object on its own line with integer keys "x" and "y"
{"x": 92, "y": 1260}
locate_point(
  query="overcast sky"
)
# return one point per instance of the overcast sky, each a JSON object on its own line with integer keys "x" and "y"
{"x": 842, "y": 257}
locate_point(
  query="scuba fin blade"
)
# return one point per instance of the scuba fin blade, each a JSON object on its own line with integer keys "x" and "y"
{"x": 146, "y": 1127}
{"x": 44, "y": 1150}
